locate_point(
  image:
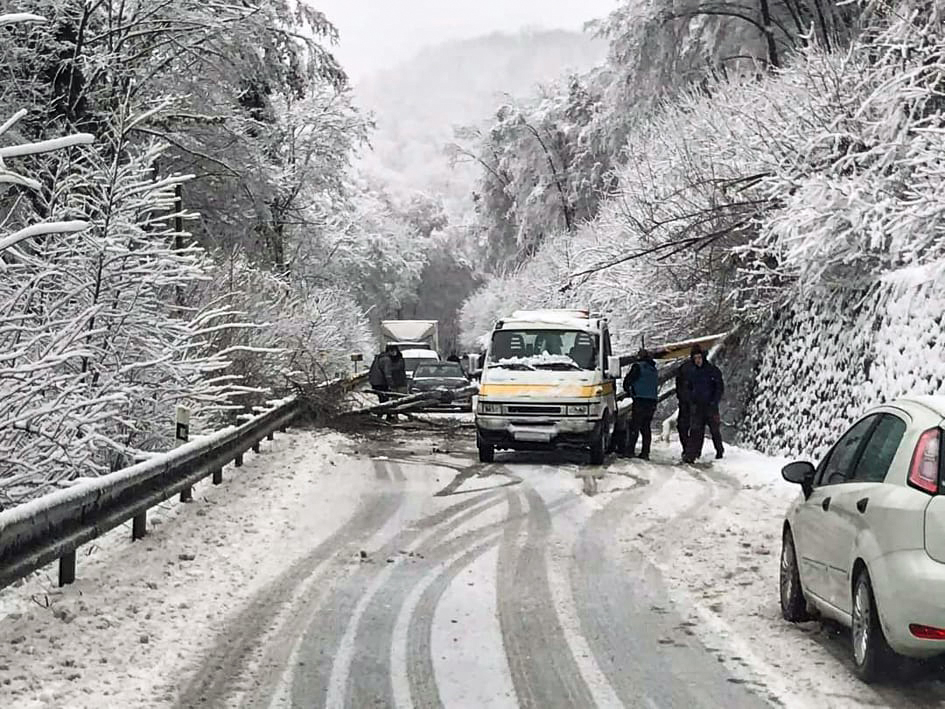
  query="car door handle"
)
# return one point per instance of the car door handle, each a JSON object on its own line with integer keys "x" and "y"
{"x": 861, "y": 504}
{"x": 825, "y": 504}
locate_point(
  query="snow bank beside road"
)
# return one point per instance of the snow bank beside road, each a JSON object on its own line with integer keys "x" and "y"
{"x": 141, "y": 613}
{"x": 719, "y": 556}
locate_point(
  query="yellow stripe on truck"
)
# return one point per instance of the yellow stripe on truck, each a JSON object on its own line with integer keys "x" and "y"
{"x": 572, "y": 391}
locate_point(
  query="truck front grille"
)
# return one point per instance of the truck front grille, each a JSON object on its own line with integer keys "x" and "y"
{"x": 533, "y": 410}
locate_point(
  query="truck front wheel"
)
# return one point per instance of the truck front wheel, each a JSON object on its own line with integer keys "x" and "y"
{"x": 601, "y": 446}
{"x": 486, "y": 451}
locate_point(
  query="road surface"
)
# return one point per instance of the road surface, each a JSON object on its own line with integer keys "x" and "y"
{"x": 456, "y": 584}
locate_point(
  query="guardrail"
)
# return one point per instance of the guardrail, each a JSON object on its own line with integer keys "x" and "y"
{"x": 54, "y": 526}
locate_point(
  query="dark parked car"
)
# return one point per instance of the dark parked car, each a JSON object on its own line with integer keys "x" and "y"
{"x": 441, "y": 375}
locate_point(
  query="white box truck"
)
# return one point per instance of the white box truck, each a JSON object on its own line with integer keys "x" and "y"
{"x": 411, "y": 334}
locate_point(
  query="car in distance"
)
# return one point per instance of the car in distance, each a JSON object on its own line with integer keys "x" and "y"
{"x": 865, "y": 542}
{"x": 450, "y": 376}
{"x": 415, "y": 357}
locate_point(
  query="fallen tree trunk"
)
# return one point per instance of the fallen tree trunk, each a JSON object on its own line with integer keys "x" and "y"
{"x": 412, "y": 402}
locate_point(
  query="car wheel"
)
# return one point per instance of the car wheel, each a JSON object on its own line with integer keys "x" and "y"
{"x": 871, "y": 652}
{"x": 793, "y": 603}
{"x": 600, "y": 447}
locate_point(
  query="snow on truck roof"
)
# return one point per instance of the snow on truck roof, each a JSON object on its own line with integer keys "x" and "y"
{"x": 552, "y": 319}
{"x": 419, "y": 354}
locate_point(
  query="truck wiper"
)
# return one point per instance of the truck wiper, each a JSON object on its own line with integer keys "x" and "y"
{"x": 513, "y": 365}
{"x": 558, "y": 365}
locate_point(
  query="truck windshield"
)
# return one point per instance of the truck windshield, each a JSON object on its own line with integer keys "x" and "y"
{"x": 545, "y": 349}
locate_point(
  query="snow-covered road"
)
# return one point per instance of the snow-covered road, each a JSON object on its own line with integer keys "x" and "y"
{"x": 396, "y": 571}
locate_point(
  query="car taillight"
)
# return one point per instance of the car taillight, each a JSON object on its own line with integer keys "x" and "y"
{"x": 923, "y": 473}
{"x": 926, "y": 632}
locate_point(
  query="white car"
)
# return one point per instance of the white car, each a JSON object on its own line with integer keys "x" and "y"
{"x": 865, "y": 543}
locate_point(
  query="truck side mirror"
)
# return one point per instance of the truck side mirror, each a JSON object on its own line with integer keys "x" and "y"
{"x": 613, "y": 367}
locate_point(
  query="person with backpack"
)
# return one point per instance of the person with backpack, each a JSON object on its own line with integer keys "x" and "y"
{"x": 705, "y": 389}
{"x": 642, "y": 383}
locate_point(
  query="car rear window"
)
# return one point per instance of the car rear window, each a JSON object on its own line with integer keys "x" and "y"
{"x": 439, "y": 370}
{"x": 880, "y": 450}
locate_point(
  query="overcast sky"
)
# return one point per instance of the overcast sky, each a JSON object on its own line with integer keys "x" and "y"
{"x": 376, "y": 34}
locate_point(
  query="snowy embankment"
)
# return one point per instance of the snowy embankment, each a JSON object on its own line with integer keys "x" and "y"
{"x": 141, "y": 613}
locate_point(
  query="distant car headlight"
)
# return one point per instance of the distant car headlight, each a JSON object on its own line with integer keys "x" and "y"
{"x": 485, "y": 408}
{"x": 578, "y": 410}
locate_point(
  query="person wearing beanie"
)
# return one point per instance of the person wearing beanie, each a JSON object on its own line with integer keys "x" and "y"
{"x": 642, "y": 383}
{"x": 704, "y": 387}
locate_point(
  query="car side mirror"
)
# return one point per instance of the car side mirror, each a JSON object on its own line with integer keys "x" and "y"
{"x": 613, "y": 367}
{"x": 800, "y": 473}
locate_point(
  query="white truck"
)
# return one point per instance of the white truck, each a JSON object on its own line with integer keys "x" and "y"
{"x": 550, "y": 381}
{"x": 411, "y": 334}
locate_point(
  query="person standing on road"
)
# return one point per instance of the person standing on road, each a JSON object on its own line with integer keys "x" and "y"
{"x": 705, "y": 387}
{"x": 377, "y": 376}
{"x": 397, "y": 372}
{"x": 642, "y": 383}
{"x": 684, "y": 418}
{"x": 394, "y": 375}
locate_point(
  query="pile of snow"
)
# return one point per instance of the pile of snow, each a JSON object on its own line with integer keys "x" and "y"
{"x": 539, "y": 359}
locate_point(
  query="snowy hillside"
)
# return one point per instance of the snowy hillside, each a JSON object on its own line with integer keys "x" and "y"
{"x": 418, "y": 104}
{"x": 801, "y": 206}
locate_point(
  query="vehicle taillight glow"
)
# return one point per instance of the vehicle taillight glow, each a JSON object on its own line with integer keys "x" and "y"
{"x": 923, "y": 473}
{"x": 927, "y": 632}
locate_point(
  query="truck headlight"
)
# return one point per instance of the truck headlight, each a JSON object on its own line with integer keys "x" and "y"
{"x": 487, "y": 408}
{"x": 578, "y": 410}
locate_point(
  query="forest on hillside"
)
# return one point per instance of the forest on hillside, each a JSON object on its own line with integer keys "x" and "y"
{"x": 772, "y": 169}
{"x": 180, "y": 223}
{"x": 717, "y": 166}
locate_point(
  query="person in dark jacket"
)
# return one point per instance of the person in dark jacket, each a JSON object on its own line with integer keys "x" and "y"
{"x": 705, "y": 389}
{"x": 397, "y": 371}
{"x": 642, "y": 383}
{"x": 684, "y": 419}
{"x": 377, "y": 375}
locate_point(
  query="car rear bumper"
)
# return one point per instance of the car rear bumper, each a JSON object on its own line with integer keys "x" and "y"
{"x": 910, "y": 588}
{"x": 506, "y": 433}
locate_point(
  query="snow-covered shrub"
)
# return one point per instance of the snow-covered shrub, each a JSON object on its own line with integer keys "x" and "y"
{"x": 739, "y": 197}
{"x": 97, "y": 347}
{"x": 284, "y": 334}
{"x": 860, "y": 193}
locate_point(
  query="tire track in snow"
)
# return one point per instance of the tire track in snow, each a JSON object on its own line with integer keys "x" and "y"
{"x": 369, "y": 680}
{"x": 621, "y": 603}
{"x": 543, "y": 669}
{"x": 213, "y": 681}
{"x": 328, "y": 640}
{"x": 420, "y": 670}
{"x": 419, "y": 660}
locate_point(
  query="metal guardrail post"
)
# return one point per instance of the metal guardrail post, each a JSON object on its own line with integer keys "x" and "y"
{"x": 256, "y": 447}
{"x": 238, "y": 460}
{"x": 67, "y": 569}
{"x": 271, "y": 436}
{"x": 139, "y": 526}
{"x": 218, "y": 476}
{"x": 182, "y": 435}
